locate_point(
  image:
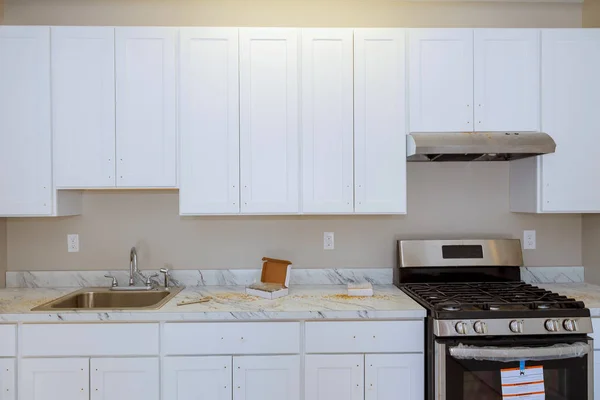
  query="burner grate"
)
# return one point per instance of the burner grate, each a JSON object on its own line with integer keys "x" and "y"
{"x": 492, "y": 296}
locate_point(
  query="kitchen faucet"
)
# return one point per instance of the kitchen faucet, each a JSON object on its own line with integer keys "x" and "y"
{"x": 133, "y": 267}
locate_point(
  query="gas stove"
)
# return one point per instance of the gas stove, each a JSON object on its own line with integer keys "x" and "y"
{"x": 481, "y": 319}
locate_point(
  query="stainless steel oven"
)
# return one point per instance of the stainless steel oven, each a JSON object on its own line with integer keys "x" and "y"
{"x": 469, "y": 369}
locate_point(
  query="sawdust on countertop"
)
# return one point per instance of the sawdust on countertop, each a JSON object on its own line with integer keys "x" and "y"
{"x": 342, "y": 296}
{"x": 235, "y": 296}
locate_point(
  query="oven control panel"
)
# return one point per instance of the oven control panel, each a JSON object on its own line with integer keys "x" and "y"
{"x": 508, "y": 327}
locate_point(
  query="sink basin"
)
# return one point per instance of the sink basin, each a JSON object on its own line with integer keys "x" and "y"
{"x": 106, "y": 299}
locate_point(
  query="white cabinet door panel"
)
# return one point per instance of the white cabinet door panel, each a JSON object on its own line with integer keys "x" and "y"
{"x": 334, "y": 377}
{"x": 380, "y": 121}
{"x": 25, "y": 122}
{"x": 146, "y": 107}
{"x": 124, "y": 379}
{"x": 7, "y": 379}
{"x": 570, "y": 95}
{"x": 441, "y": 80}
{"x": 209, "y": 121}
{"x": 327, "y": 126}
{"x": 266, "y": 378}
{"x": 386, "y": 375}
{"x": 54, "y": 378}
{"x": 507, "y": 79}
{"x": 269, "y": 120}
{"x": 83, "y": 106}
{"x": 197, "y": 378}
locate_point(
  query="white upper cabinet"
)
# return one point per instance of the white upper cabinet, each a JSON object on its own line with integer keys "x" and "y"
{"x": 266, "y": 378}
{"x": 124, "y": 379}
{"x": 441, "y": 80}
{"x": 269, "y": 159}
{"x": 564, "y": 182}
{"x": 327, "y": 125}
{"x": 209, "y": 121}
{"x": 191, "y": 378}
{"x": 25, "y": 122}
{"x": 335, "y": 377}
{"x": 83, "y": 106}
{"x": 380, "y": 121}
{"x": 146, "y": 107}
{"x": 386, "y": 375}
{"x": 507, "y": 79}
{"x": 54, "y": 378}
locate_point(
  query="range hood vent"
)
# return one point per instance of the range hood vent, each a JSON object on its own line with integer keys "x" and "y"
{"x": 477, "y": 146}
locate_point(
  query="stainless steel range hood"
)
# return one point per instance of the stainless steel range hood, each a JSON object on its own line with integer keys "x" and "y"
{"x": 477, "y": 146}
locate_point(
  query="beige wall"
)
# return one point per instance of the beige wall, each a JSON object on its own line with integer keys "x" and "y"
{"x": 3, "y": 251}
{"x": 591, "y": 14}
{"x": 456, "y": 200}
{"x": 328, "y": 13}
{"x": 591, "y": 247}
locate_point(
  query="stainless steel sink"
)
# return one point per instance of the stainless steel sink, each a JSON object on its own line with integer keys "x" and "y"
{"x": 106, "y": 299}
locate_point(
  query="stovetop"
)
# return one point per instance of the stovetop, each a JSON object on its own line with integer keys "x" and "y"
{"x": 492, "y": 300}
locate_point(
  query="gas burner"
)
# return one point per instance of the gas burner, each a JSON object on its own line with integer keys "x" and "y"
{"x": 451, "y": 308}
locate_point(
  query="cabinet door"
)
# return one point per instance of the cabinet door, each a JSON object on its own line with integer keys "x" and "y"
{"x": 146, "y": 107}
{"x": 266, "y": 378}
{"x": 197, "y": 378}
{"x": 209, "y": 121}
{"x": 269, "y": 120}
{"x": 327, "y": 126}
{"x": 52, "y": 379}
{"x": 596, "y": 375}
{"x": 124, "y": 379}
{"x": 507, "y": 79}
{"x": 7, "y": 379}
{"x": 25, "y": 130}
{"x": 334, "y": 377}
{"x": 380, "y": 120}
{"x": 83, "y": 106}
{"x": 570, "y": 88}
{"x": 441, "y": 80}
{"x": 386, "y": 375}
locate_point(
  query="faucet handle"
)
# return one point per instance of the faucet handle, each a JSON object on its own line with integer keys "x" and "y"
{"x": 149, "y": 279}
{"x": 114, "y": 280}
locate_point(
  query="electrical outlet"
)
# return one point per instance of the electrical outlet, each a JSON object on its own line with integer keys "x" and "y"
{"x": 529, "y": 240}
{"x": 328, "y": 241}
{"x": 73, "y": 243}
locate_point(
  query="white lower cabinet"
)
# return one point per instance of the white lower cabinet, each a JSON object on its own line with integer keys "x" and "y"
{"x": 386, "y": 375}
{"x": 211, "y": 378}
{"x": 89, "y": 379}
{"x": 368, "y": 377}
{"x": 266, "y": 378}
{"x": 334, "y": 377}
{"x": 193, "y": 378}
{"x": 54, "y": 378}
{"x": 7, "y": 379}
{"x": 124, "y": 379}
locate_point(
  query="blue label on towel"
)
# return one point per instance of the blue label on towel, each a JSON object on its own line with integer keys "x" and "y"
{"x": 522, "y": 367}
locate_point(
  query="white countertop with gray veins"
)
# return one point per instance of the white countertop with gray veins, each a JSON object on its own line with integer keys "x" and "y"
{"x": 586, "y": 292}
{"x": 304, "y": 302}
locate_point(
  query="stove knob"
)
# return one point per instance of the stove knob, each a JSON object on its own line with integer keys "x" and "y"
{"x": 461, "y": 328}
{"x": 516, "y": 326}
{"x": 480, "y": 327}
{"x": 551, "y": 325}
{"x": 570, "y": 325}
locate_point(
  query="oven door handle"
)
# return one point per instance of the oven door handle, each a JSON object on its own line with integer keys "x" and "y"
{"x": 510, "y": 354}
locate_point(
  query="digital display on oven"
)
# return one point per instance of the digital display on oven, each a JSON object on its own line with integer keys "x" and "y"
{"x": 462, "y": 251}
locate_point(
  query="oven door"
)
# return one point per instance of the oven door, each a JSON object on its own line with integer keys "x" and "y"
{"x": 470, "y": 369}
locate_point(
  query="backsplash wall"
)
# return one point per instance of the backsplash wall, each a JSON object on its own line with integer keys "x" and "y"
{"x": 454, "y": 200}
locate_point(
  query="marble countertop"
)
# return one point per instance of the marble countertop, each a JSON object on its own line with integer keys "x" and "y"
{"x": 305, "y": 302}
{"x": 586, "y": 292}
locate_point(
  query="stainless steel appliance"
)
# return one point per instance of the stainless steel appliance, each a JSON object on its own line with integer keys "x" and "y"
{"x": 482, "y": 318}
{"x": 477, "y": 146}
